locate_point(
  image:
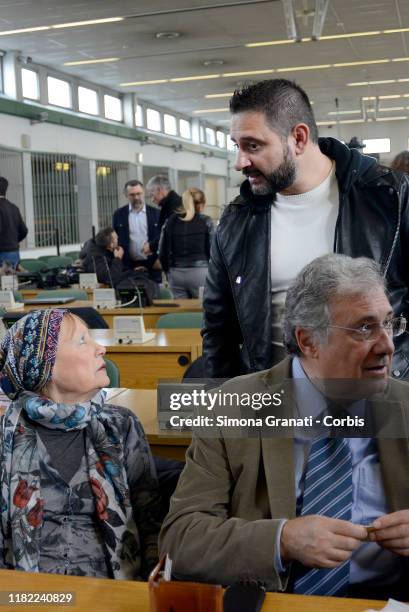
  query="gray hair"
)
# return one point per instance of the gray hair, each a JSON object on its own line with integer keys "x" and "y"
{"x": 160, "y": 180}
{"x": 325, "y": 278}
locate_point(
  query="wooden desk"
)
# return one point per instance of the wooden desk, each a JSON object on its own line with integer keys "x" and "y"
{"x": 150, "y": 314}
{"x": 143, "y": 403}
{"x": 143, "y": 365}
{"x": 93, "y": 594}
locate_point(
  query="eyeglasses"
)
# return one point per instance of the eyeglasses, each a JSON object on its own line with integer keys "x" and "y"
{"x": 370, "y": 332}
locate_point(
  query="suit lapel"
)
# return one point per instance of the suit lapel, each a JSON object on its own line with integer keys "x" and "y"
{"x": 278, "y": 454}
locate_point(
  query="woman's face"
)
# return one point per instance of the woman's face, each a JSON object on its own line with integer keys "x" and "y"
{"x": 79, "y": 369}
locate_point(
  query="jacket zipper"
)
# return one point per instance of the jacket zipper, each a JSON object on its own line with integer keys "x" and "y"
{"x": 395, "y": 238}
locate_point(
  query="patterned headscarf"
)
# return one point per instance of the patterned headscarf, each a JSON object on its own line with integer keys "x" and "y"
{"x": 27, "y": 353}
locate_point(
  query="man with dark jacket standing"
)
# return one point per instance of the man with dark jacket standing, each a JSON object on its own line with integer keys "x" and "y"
{"x": 137, "y": 224}
{"x": 12, "y": 228}
{"x": 161, "y": 193}
{"x": 303, "y": 197}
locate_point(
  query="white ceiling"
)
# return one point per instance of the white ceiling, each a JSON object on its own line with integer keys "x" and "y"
{"x": 216, "y": 30}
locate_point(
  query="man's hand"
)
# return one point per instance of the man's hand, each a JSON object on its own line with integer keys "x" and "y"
{"x": 118, "y": 252}
{"x": 146, "y": 249}
{"x": 392, "y": 532}
{"x": 320, "y": 541}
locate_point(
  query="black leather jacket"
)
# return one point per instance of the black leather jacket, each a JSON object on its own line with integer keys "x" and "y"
{"x": 373, "y": 221}
{"x": 185, "y": 244}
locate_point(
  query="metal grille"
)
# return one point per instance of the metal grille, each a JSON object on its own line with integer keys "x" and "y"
{"x": 111, "y": 178}
{"x": 55, "y": 198}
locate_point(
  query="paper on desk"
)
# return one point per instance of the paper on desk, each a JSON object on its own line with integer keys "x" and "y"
{"x": 393, "y": 606}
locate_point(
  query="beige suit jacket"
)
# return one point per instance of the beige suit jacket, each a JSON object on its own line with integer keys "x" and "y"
{"x": 232, "y": 494}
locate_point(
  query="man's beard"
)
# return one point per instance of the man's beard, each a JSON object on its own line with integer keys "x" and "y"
{"x": 281, "y": 178}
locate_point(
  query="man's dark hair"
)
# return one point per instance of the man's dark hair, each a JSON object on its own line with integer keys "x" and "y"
{"x": 3, "y": 185}
{"x": 104, "y": 237}
{"x": 283, "y": 102}
{"x": 132, "y": 183}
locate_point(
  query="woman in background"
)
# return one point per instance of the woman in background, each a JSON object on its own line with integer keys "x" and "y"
{"x": 78, "y": 488}
{"x": 184, "y": 248}
{"x": 401, "y": 162}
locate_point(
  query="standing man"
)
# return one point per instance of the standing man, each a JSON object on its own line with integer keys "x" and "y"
{"x": 303, "y": 197}
{"x": 162, "y": 194}
{"x": 12, "y": 228}
{"x": 137, "y": 224}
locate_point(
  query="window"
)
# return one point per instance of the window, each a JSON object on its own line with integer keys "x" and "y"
{"x": 377, "y": 145}
{"x": 202, "y": 134}
{"x": 29, "y": 79}
{"x": 185, "y": 129}
{"x": 221, "y": 139}
{"x": 113, "y": 107}
{"x": 210, "y": 137}
{"x": 87, "y": 101}
{"x": 59, "y": 92}
{"x": 139, "y": 116}
{"x": 230, "y": 144}
{"x": 153, "y": 120}
{"x": 170, "y": 125}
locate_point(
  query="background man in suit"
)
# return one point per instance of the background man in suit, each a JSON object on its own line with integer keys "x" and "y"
{"x": 292, "y": 512}
{"x": 137, "y": 224}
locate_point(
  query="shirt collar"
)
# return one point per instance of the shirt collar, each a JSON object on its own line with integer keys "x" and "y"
{"x": 143, "y": 209}
{"x": 310, "y": 400}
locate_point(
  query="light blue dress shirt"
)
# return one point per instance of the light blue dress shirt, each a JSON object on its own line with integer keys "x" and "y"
{"x": 369, "y": 563}
{"x": 138, "y": 232}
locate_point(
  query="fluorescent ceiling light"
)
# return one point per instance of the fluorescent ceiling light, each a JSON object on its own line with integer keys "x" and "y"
{"x": 297, "y": 68}
{"x": 400, "y": 59}
{"x": 24, "y": 30}
{"x": 57, "y": 26}
{"x": 363, "y": 63}
{"x": 93, "y": 61}
{"x": 391, "y": 118}
{"x": 211, "y": 110}
{"x": 199, "y": 77}
{"x": 391, "y": 108}
{"x": 391, "y": 97}
{"x": 249, "y": 72}
{"x": 268, "y": 43}
{"x": 362, "y": 83}
{"x": 345, "y": 112}
{"x": 220, "y": 95}
{"x": 157, "y": 82}
{"x": 77, "y": 24}
{"x": 256, "y": 72}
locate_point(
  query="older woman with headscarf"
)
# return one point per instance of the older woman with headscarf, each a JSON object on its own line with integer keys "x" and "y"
{"x": 78, "y": 488}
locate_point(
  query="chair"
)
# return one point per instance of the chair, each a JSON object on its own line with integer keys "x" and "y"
{"x": 180, "y": 320}
{"x": 34, "y": 265}
{"x": 78, "y": 294}
{"x": 73, "y": 254}
{"x": 59, "y": 261}
{"x": 113, "y": 373}
{"x": 91, "y": 317}
{"x": 165, "y": 294}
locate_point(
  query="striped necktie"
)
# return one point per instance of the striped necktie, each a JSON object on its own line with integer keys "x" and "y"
{"x": 327, "y": 491}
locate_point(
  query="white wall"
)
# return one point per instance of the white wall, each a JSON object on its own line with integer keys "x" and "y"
{"x": 397, "y": 131}
{"x": 50, "y": 138}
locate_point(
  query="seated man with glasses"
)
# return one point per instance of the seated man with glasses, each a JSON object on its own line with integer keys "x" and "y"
{"x": 318, "y": 514}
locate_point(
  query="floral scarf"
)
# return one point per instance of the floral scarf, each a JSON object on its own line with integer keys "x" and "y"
{"x": 22, "y": 509}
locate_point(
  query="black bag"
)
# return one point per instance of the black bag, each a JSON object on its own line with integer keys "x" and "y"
{"x": 138, "y": 289}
